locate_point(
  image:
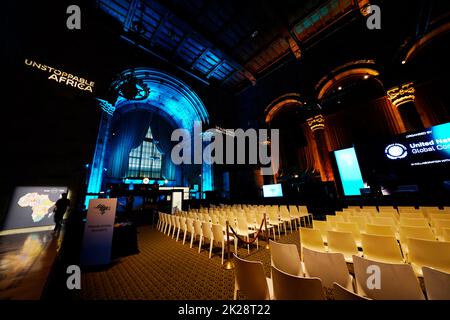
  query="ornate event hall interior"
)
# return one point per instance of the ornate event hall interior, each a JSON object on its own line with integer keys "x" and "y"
{"x": 225, "y": 150}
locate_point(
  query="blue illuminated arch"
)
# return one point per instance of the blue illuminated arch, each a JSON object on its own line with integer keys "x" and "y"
{"x": 169, "y": 97}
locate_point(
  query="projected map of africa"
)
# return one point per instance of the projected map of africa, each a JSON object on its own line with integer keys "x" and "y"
{"x": 40, "y": 204}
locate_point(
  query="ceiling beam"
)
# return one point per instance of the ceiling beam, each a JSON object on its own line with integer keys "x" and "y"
{"x": 180, "y": 44}
{"x": 209, "y": 37}
{"x": 263, "y": 48}
{"x": 205, "y": 51}
{"x": 229, "y": 76}
{"x": 130, "y": 15}
{"x": 157, "y": 31}
{"x": 217, "y": 67}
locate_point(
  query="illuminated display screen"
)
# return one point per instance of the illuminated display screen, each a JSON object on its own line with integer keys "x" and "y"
{"x": 32, "y": 207}
{"x": 349, "y": 171}
{"x": 272, "y": 190}
{"x": 429, "y": 147}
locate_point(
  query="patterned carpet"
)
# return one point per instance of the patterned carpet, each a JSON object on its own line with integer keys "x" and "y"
{"x": 166, "y": 269}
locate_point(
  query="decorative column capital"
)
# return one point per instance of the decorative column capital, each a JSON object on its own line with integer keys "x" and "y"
{"x": 316, "y": 123}
{"x": 294, "y": 48}
{"x": 364, "y": 7}
{"x": 402, "y": 94}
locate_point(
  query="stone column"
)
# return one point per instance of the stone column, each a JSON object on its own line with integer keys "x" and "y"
{"x": 403, "y": 98}
{"x": 317, "y": 126}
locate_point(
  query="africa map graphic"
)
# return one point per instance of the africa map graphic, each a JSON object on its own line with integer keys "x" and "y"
{"x": 40, "y": 204}
{"x": 32, "y": 207}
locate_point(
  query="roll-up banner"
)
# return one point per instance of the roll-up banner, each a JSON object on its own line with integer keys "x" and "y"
{"x": 98, "y": 232}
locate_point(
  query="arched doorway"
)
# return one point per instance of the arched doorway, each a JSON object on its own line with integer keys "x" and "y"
{"x": 170, "y": 104}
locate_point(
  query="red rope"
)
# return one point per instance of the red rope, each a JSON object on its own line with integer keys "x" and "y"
{"x": 256, "y": 237}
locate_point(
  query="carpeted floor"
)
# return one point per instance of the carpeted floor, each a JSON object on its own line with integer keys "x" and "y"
{"x": 166, "y": 269}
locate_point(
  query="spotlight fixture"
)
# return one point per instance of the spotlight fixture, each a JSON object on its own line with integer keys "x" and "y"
{"x": 404, "y": 62}
{"x": 339, "y": 88}
{"x": 366, "y": 77}
{"x": 129, "y": 87}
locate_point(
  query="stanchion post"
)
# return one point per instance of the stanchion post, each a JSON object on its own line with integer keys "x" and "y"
{"x": 267, "y": 231}
{"x": 229, "y": 265}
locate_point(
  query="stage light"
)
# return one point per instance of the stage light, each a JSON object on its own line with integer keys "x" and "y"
{"x": 339, "y": 88}
{"x": 129, "y": 87}
{"x": 404, "y": 61}
{"x": 166, "y": 181}
{"x": 366, "y": 77}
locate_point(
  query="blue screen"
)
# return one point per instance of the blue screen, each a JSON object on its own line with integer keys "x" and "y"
{"x": 349, "y": 171}
{"x": 272, "y": 190}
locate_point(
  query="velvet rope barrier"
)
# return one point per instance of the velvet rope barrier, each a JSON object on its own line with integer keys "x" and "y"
{"x": 229, "y": 265}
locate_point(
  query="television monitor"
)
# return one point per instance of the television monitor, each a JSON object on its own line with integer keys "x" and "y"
{"x": 272, "y": 190}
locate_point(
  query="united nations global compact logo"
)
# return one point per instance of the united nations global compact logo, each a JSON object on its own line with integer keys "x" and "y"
{"x": 396, "y": 151}
{"x": 102, "y": 208}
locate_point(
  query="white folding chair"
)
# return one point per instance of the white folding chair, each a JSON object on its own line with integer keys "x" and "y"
{"x": 251, "y": 281}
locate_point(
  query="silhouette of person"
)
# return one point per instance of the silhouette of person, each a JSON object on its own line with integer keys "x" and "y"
{"x": 155, "y": 186}
{"x": 60, "y": 209}
{"x": 129, "y": 205}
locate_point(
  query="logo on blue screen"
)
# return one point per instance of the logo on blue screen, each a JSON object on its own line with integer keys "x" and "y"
{"x": 396, "y": 151}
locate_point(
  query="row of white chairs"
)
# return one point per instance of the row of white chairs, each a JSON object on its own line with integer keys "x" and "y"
{"x": 398, "y": 209}
{"x": 293, "y": 210}
{"x": 384, "y": 225}
{"x": 430, "y": 216}
{"x": 250, "y": 221}
{"x": 384, "y": 248}
{"x": 292, "y": 279}
{"x": 205, "y": 231}
{"x": 279, "y": 220}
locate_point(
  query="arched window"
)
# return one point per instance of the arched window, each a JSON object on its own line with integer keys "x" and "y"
{"x": 145, "y": 160}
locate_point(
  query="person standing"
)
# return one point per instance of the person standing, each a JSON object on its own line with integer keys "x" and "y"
{"x": 60, "y": 209}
